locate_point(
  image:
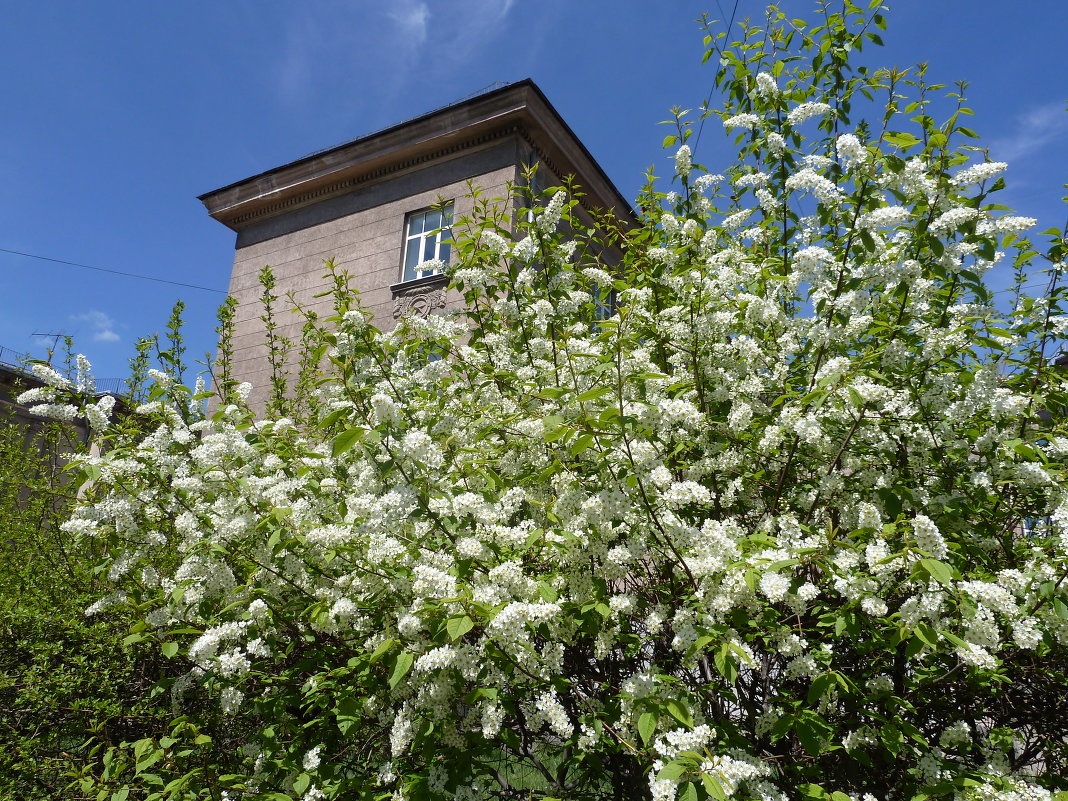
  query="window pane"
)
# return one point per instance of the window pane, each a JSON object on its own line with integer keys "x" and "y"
{"x": 421, "y": 244}
{"x": 411, "y": 258}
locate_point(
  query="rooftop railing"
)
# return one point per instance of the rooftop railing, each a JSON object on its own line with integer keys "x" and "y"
{"x": 19, "y": 362}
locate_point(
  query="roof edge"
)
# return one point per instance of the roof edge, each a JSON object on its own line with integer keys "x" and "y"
{"x": 486, "y": 110}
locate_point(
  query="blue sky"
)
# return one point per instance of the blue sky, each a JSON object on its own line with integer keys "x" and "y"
{"x": 117, "y": 115}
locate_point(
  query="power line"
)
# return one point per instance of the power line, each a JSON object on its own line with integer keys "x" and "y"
{"x": 113, "y": 272}
{"x": 222, "y": 291}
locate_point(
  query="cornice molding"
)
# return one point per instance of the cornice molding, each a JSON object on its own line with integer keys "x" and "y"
{"x": 352, "y": 182}
{"x": 519, "y": 110}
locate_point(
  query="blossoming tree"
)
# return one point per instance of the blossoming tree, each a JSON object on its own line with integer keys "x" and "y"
{"x": 789, "y": 521}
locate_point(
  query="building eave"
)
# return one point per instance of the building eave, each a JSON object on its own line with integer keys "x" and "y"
{"x": 517, "y": 109}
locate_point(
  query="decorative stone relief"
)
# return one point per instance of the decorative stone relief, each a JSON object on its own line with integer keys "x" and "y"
{"x": 419, "y": 301}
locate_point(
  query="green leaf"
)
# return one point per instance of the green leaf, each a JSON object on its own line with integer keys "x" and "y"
{"x": 301, "y": 783}
{"x": 939, "y": 571}
{"x": 679, "y": 711}
{"x": 713, "y": 787}
{"x": 811, "y": 731}
{"x": 459, "y": 626}
{"x": 483, "y": 692}
{"x": 927, "y": 633}
{"x": 819, "y": 687}
{"x": 148, "y": 760}
{"x": 699, "y": 644}
{"x": 647, "y": 727}
{"x": 954, "y": 639}
{"x": 559, "y": 432}
{"x": 891, "y": 738}
{"x": 593, "y": 394}
{"x": 901, "y": 139}
{"x": 169, "y": 649}
{"x": 552, "y": 393}
{"x": 687, "y": 792}
{"x": 552, "y": 422}
{"x": 382, "y": 649}
{"x": 775, "y": 567}
{"x": 345, "y": 440}
{"x": 672, "y": 770}
{"x": 582, "y": 444}
{"x": 332, "y": 418}
{"x": 891, "y": 500}
{"x": 401, "y": 668}
{"x": 726, "y": 663}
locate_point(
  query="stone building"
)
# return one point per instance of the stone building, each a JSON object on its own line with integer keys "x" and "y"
{"x": 370, "y": 205}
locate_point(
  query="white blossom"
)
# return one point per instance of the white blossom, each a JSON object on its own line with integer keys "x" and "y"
{"x": 741, "y": 121}
{"x": 805, "y": 111}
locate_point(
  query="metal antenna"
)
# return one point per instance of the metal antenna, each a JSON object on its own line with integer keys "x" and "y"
{"x": 55, "y": 343}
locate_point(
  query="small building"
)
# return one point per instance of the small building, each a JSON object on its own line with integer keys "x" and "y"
{"x": 47, "y": 443}
{"x": 374, "y": 206}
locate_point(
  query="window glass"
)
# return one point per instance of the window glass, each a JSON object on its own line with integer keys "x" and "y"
{"x": 411, "y": 259}
{"x": 415, "y": 223}
{"x": 425, "y": 231}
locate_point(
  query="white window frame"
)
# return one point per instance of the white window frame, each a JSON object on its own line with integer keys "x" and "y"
{"x": 429, "y": 243}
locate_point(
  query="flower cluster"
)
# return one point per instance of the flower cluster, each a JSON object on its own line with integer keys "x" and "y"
{"x": 789, "y": 505}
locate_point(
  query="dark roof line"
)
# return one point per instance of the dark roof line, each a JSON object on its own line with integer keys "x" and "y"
{"x": 492, "y": 89}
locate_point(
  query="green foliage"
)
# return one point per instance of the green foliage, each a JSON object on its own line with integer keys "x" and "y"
{"x": 278, "y": 345}
{"x": 69, "y": 688}
{"x": 762, "y": 497}
{"x": 224, "y": 380}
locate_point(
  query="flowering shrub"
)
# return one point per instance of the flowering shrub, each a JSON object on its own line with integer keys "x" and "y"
{"x": 789, "y": 522}
{"x": 66, "y": 683}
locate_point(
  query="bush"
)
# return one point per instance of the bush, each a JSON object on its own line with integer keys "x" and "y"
{"x": 788, "y": 522}
{"x": 67, "y": 686}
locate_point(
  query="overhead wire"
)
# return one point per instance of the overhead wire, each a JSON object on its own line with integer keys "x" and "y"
{"x": 704, "y": 107}
{"x": 113, "y": 272}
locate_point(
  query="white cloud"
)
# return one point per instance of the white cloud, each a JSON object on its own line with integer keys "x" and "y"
{"x": 388, "y": 50}
{"x": 413, "y": 19}
{"x": 101, "y": 324}
{"x": 476, "y": 22}
{"x": 1034, "y": 130}
{"x": 458, "y": 29}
